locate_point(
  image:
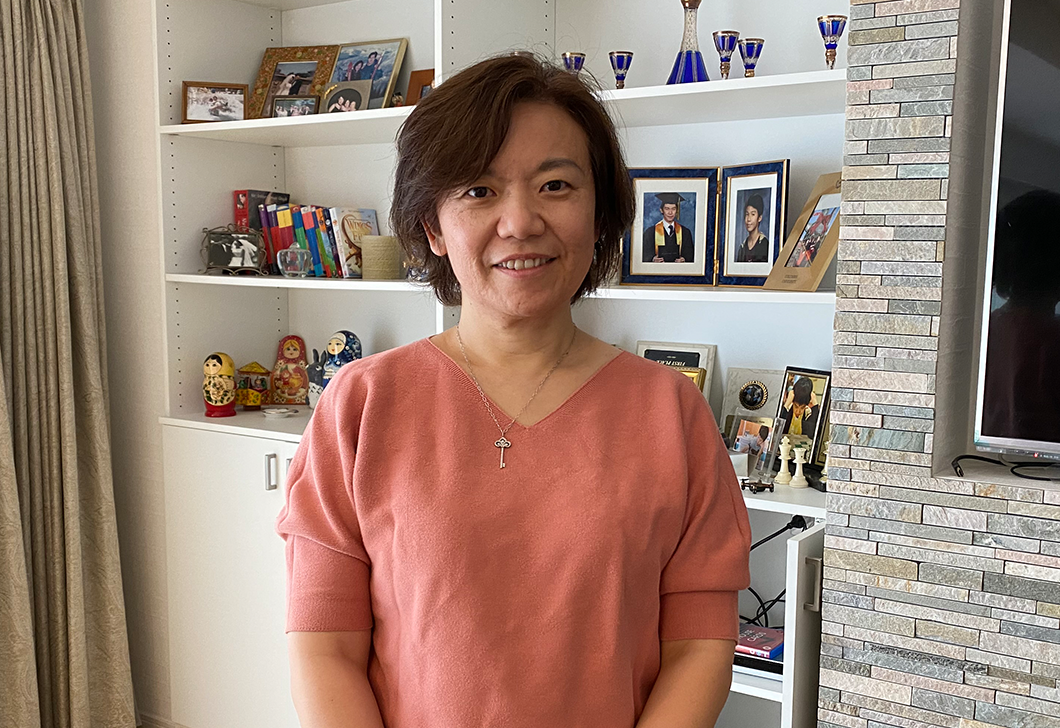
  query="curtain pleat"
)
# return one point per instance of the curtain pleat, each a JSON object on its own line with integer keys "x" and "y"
{"x": 64, "y": 658}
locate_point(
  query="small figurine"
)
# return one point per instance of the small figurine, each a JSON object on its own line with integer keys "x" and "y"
{"x": 316, "y": 379}
{"x": 799, "y": 479}
{"x": 253, "y": 388}
{"x": 219, "y": 385}
{"x": 784, "y": 477}
{"x": 290, "y": 381}
{"x": 756, "y": 486}
{"x": 398, "y": 99}
{"x": 343, "y": 347}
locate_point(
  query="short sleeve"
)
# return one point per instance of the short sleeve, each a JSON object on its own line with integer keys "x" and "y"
{"x": 700, "y": 584}
{"x": 328, "y": 568}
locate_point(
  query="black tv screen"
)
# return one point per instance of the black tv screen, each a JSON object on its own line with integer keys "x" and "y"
{"x": 1018, "y": 402}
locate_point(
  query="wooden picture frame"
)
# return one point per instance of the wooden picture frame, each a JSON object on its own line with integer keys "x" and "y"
{"x": 201, "y": 111}
{"x": 421, "y": 83}
{"x": 761, "y": 190}
{"x": 684, "y": 253}
{"x": 813, "y": 241}
{"x": 297, "y": 71}
{"x": 378, "y": 61}
{"x": 299, "y": 106}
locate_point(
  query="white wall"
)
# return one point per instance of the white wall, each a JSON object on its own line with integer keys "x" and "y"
{"x": 121, "y": 56}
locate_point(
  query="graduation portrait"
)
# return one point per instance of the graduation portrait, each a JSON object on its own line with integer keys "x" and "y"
{"x": 672, "y": 240}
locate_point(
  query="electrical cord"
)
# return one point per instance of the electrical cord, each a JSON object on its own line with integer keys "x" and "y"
{"x": 1013, "y": 468}
{"x": 763, "y": 607}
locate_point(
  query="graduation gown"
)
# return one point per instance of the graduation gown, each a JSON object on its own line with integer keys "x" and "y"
{"x": 669, "y": 247}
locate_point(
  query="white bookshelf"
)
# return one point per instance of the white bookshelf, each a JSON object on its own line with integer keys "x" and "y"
{"x": 793, "y": 109}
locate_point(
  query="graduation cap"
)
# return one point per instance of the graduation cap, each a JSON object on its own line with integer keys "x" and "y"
{"x": 670, "y": 198}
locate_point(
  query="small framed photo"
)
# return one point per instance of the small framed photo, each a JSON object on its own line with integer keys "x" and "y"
{"x": 285, "y": 106}
{"x": 754, "y": 210}
{"x": 300, "y": 71}
{"x": 347, "y": 96}
{"x": 672, "y": 238}
{"x": 692, "y": 356}
{"x": 813, "y": 241}
{"x": 421, "y": 83}
{"x": 377, "y": 61}
{"x": 228, "y": 250}
{"x": 803, "y": 405}
{"x": 213, "y": 102}
{"x": 751, "y": 436}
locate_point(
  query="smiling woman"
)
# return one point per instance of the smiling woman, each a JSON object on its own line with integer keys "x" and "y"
{"x": 434, "y": 577}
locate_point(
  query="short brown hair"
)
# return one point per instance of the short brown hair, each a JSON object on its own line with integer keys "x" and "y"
{"x": 453, "y": 135}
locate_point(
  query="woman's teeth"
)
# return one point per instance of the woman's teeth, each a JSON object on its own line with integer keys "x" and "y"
{"x": 521, "y": 264}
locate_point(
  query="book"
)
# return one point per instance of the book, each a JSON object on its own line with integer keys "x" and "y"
{"x": 266, "y": 234}
{"x": 309, "y": 227}
{"x": 303, "y": 242}
{"x": 760, "y": 641}
{"x": 285, "y": 226}
{"x": 245, "y": 204}
{"x": 324, "y": 224}
{"x": 758, "y": 663}
{"x": 351, "y": 224}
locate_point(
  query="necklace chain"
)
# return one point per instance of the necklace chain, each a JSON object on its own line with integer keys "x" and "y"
{"x": 485, "y": 399}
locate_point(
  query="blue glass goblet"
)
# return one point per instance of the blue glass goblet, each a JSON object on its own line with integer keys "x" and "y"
{"x": 620, "y": 62}
{"x": 573, "y": 62}
{"x": 831, "y": 27}
{"x": 725, "y": 41}
{"x": 750, "y": 51}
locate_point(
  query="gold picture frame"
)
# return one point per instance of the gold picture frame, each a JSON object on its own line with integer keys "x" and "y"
{"x": 295, "y": 71}
{"x": 813, "y": 241}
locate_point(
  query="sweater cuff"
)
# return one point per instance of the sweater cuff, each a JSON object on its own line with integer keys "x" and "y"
{"x": 327, "y": 591}
{"x": 699, "y": 615}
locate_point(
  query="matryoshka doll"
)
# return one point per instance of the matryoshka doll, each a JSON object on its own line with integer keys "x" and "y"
{"x": 290, "y": 381}
{"x": 219, "y": 385}
{"x": 343, "y": 347}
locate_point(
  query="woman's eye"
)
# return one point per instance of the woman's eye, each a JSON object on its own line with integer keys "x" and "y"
{"x": 478, "y": 192}
{"x": 555, "y": 185}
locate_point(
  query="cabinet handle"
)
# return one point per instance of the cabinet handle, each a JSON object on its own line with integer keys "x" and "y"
{"x": 818, "y": 573}
{"x": 271, "y": 476}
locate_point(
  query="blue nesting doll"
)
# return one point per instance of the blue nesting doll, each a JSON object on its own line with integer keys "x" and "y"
{"x": 343, "y": 347}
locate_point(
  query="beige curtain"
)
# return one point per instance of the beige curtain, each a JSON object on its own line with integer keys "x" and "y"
{"x": 64, "y": 657}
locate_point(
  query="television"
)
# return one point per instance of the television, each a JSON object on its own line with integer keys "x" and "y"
{"x": 1018, "y": 390}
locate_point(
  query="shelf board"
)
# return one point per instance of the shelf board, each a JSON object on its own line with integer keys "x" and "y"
{"x": 328, "y": 284}
{"x": 757, "y": 683}
{"x": 763, "y": 97}
{"x": 291, "y": 4}
{"x": 625, "y": 293}
{"x": 250, "y": 424}
{"x": 785, "y": 499}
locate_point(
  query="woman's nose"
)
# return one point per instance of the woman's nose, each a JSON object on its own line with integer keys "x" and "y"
{"x": 520, "y": 217}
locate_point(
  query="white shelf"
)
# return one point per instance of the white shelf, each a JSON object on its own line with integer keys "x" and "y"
{"x": 291, "y": 4}
{"x": 329, "y": 284}
{"x": 785, "y": 499}
{"x": 250, "y": 424}
{"x": 763, "y": 97}
{"x": 757, "y": 683}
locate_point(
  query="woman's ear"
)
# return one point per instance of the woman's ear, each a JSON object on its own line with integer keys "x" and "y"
{"x": 434, "y": 237}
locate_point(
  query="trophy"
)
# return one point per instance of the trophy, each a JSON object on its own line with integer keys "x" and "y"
{"x": 831, "y": 27}
{"x": 750, "y": 50}
{"x": 689, "y": 67}
{"x": 725, "y": 42}
{"x": 620, "y": 62}
{"x": 573, "y": 62}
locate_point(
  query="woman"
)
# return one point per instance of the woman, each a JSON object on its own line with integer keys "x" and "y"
{"x": 755, "y": 247}
{"x": 477, "y": 497}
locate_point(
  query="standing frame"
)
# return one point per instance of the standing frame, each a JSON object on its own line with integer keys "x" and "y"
{"x": 753, "y": 210}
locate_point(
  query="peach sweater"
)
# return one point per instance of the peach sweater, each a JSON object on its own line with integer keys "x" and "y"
{"x": 531, "y": 596}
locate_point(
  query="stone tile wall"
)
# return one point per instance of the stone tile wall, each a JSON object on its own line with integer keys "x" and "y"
{"x": 942, "y": 596}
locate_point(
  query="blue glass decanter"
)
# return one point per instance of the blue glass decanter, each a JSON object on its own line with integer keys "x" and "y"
{"x": 689, "y": 66}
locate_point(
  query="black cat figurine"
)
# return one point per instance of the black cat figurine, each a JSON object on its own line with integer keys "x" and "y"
{"x": 316, "y": 378}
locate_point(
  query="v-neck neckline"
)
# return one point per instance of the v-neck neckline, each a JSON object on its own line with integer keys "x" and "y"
{"x": 503, "y": 416}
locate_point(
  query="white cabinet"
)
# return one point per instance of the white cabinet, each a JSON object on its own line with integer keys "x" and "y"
{"x": 225, "y": 563}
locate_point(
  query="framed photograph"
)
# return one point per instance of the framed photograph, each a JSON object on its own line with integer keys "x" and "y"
{"x": 300, "y": 71}
{"x": 228, "y": 250}
{"x": 694, "y": 356}
{"x": 754, "y": 213}
{"x": 347, "y": 96}
{"x": 377, "y": 61}
{"x": 212, "y": 102}
{"x": 284, "y": 106}
{"x": 754, "y": 391}
{"x": 812, "y": 244}
{"x": 421, "y": 83}
{"x": 672, "y": 238}
{"x": 763, "y": 467}
{"x": 826, "y": 438}
{"x": 803, "y": 404}
{"x": 751, "y": 436}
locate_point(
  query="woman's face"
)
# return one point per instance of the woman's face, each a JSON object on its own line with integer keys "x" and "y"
{"x": 520, "y": 238}
{"x": 751, "y": 218}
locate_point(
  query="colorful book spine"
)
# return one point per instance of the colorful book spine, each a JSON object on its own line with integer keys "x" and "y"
{"x": 240, "y": 204}
{"x": 312, "y": 236}
{"x": 324, "y": 224}
{"x": 762, "y": 642}
{"x": 300, "y": 236}
{"x": 283, "y": 222}
{"x": 266, "y": 234}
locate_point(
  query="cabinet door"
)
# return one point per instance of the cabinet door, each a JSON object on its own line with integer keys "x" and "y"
{"x": 802, "y": 620}
{"x": 228, "y": 651}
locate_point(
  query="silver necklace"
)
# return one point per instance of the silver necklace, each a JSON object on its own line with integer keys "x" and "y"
{"x": 503, "y": 443}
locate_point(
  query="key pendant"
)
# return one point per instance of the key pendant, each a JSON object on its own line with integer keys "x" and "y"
{"x": 502, "y": 444}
